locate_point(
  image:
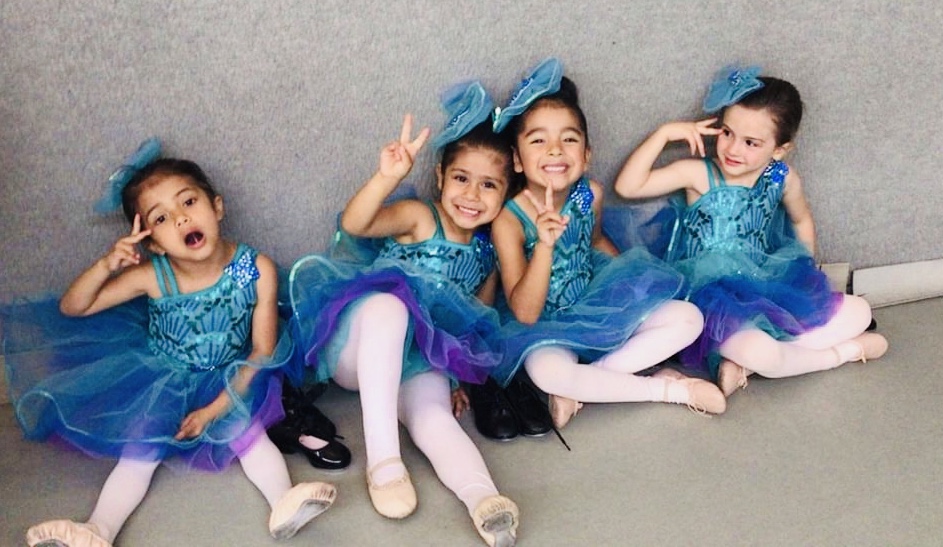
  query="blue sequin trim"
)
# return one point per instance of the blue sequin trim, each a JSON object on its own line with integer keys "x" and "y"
{"x": 582, "y": 195}
{"x": 776, "y": 171}
{"x": 243, "y": 271}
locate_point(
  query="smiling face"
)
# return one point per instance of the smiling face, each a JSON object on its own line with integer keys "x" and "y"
{"x": 183, "y": 220}
{"x": 747, "y": 143}
{"x": 473, "y": 187}
{"x": 551, "y": 147}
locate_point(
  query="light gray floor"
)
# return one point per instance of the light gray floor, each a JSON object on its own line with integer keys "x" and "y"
{"x": 847, "y": 457}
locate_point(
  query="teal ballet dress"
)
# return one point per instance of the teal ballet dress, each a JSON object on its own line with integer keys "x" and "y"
{"x": 449, "y": 331}
{"x": 745, "y": 267}
{"x": 595, "y": 302}
{"x": 120, "y": 382}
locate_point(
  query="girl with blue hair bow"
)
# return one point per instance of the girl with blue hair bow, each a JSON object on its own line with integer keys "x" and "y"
{"x": 746, "y": 239}
{"x": 583, "y": 322}
{"x": 402, "y": 328}
{"x": 172, "y": 358}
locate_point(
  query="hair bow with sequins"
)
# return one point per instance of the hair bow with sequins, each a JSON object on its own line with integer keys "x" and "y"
{"x": 147, "y": 153}
{"x": 731, "y": 84}
{"x": 543, "y": 80}
{"x": 467, "y": 104}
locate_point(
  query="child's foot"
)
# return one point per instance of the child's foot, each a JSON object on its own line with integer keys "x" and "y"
{"x": 298, "y": 506}
{"x": 496, "y": 520}
{"x": 562, "y": 409}
{"x": 393, "y": 499}
{"x": 701, "y": 396}
{"x": 863, "y": 347}
{"x": 65, "y": 533}
{"x": 731, "y": 377}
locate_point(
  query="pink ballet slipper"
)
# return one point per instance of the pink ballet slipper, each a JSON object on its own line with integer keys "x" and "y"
{"x": 496, "y": 520}
{"x": 65, "y": 533}
{"x": 298, "y": 506}
{"x": 395, "y": 499}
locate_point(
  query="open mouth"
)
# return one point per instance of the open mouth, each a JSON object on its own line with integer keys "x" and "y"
{"x": 466, "y": 211}
{"x": 193, "y": 239}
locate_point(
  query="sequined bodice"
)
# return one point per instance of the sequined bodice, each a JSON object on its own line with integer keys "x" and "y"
{"x": 466, "y": 265}
{"x": 733, "y": 218}
{"x": 572, "y": 267}
{"x": 208, "y": 328}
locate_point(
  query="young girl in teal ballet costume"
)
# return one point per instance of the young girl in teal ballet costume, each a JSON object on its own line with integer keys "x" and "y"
{"x": 186, "y": 375}
{"x": 401, "y": 329}
{"x": 583, "y": 322}
{"x": 747, "y": 239}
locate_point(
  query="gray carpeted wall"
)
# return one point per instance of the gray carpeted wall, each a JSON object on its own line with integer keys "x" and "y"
{"x": 286, "y": 104}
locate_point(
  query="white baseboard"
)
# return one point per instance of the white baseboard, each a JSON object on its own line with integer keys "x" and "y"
{"x": 899, "y": 283}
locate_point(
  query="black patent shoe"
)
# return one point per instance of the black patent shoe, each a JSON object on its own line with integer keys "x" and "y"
{"x": 287, "y": 438}
{"x": 533, "y": 418}
{"x": 493, "y": 415}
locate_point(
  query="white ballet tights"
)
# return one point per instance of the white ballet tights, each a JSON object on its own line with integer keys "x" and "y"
{"x": 667, "y": 330}
{"x": 129, "y": 481}
{"x": 826, "y": 347}
{"x": 426, "y": 411}
{"x": 372, "y": 363}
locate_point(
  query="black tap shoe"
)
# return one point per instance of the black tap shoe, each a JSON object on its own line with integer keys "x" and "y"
{"x": 493, "y": 415}
{"x": 302, "y": 417}
{"x": 287, "y": 438}
{"x": 530, "y": 409}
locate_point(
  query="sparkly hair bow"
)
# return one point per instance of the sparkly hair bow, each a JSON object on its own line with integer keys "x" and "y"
{"x": 543, "y": 80}
{"x": 467, "y": 104}
{"x": 148, "y": 152}
{"x": 731, "y": 84}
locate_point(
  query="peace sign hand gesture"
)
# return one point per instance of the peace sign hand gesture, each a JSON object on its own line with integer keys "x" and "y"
{"x": 396, "y": 158}
{"x": 550, "y": 223}
{"x": 125, "y": 252}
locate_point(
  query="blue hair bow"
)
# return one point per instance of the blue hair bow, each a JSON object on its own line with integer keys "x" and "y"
{"x": 543, "y": 80}
{"x": 467, "y": 105}
{"x": 147, "y": 153}
{"x": 731, "y": 84}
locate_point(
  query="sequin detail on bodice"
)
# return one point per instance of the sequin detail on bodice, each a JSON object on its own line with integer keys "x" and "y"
{"x": 206, "y": 329}
{"x": 734, "y": 218}
{"x": 466, "y": 265}
{"x": 572, "y": 267}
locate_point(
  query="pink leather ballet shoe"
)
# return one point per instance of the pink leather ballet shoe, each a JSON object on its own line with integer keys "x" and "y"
{"x": 496, "y": 520}
{"x": 562, "y": 409}
{"x": 65, "y": 533}
{"x": 731, "y": 377}
{"x": 298, "y": 506}
{"x": 395, "y": 499}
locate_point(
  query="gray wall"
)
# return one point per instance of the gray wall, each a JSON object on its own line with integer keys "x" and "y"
{"x": 286, "y": 104}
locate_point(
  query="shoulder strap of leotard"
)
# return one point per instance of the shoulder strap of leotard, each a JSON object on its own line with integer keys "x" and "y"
{"x": 165, "y": 276}
{"x": 711, "y": 169}
{"x": 439, "y": 233}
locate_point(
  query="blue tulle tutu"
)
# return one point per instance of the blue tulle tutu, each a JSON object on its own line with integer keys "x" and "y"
{"x": 101, "y": 384}
{"x": 449, "y": 331}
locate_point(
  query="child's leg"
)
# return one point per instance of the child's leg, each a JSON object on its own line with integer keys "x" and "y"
{"x": 265, "y": 466}
{"x": 831, "y": 345}
{"x": 666, "y": 331}
{"x": 372, "y": 362}
{"x": 557, "y": 371}
{"x": 120, "y": 496}
{"x": 292, "y": 508}
{"x": 426, "y": 411}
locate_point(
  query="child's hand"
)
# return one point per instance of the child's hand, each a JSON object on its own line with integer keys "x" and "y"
{"x": 460, "y": 402}
{"x": 195, "y": 422}
{"x": 692, "y": 132}
{"x": 550, "y": 224}
{"x": 125, "y": 252}
{"x": 396, "y": 158}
